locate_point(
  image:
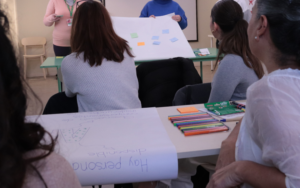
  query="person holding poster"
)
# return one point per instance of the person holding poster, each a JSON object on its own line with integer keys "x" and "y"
{"x": 163, "y": 7}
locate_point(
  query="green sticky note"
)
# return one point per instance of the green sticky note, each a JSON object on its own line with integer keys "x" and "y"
{"x": 134, "y": 35}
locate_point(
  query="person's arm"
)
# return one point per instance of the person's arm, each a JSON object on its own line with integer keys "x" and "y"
{"x": 227, "y": 152}
{"x": 50, "y": 16}
{"x": 183, "y": 23}
{"x": 226, "y": 79}
{"x": 275, "y": 130}
{"x": 248, "y": 172}
{"x": 68, "y": 77}
{"x": 144, "y": 12}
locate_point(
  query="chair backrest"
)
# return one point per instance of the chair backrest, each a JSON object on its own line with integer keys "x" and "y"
{"x": 34, "y": 41}
{"x": 160, "y": 80}
{"x": 192, "y": 94}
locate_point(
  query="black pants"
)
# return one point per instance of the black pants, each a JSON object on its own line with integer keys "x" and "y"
{"x": 61, "y": 104}
{"x": 61, "y": 51}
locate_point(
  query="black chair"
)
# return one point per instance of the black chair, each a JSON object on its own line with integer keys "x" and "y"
{"x": 160, "y": 80}
{"x": 192, "y": 94}
{"x": 61, "y": 104}
{"x": 201, "y": 178}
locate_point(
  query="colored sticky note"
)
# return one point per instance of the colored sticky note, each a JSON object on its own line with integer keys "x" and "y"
{"x": 174, "y": 39}
{"x": 187, "y": 110}
{"x": 134, "y": 35}
{"x": 166, "y": 31}
{"x": 156, "y": 43}
{"x": 155, "y": 37}
{"x": 141, "y": 43}
{"x": 59, "y": 57}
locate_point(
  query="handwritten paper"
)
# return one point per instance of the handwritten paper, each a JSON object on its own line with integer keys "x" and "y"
{"x": 134, "y": 35}
{"x": 112, "y": 147}
{"x": 156, "y": 43}
{"x": 166, "y": 31}
{"x": 141, "y": 44}
{"x": 155, "y": 37}
{"x": 147, "y": 28}
{"x": 174, "y": 39}
{"x": 204, "y": 51}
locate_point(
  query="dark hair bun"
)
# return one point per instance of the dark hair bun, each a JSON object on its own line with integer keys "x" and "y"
{"x": 284, "y": 21}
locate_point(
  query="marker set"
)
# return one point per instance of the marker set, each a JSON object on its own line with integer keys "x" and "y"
{"x": 197, "y": 123}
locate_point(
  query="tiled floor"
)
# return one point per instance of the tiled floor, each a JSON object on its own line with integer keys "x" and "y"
{"x": 44, "y": 89}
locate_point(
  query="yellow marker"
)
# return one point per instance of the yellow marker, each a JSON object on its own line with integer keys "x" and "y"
{"x": 141, "y": 43}
{"x": 243, "y": 109}
{"x": 59, "y": 57}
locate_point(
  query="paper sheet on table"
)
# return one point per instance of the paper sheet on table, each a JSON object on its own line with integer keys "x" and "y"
{"x": 114, "y": 146}
{"x": 204, "y": 51}
{"x": 229, "y": 116}
{"x": 146, "y": 28}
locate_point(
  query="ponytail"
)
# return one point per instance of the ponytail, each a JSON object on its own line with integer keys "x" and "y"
{"x": 228, "y": 15}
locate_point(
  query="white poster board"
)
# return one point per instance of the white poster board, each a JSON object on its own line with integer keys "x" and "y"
{"x": 133, "y": 8}
{"x": 150, "y": 30}
{"x": 112, "y": 147}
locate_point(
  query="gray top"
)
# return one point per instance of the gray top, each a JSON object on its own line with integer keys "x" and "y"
{"x": 231, "y": 80}
{"x": 111, "y": 86}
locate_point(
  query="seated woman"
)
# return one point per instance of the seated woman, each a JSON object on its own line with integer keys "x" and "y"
{"x": 264, "y": 150}
{"x": 239, "y": 68}
{"x": 25, "y": 160}
{"x": 101, "y": 69}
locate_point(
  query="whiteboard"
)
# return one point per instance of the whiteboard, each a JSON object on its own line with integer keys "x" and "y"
{"x": 145, "y": 30}
{"x": 133, "y": 8}
{"x": 110, "y": 147}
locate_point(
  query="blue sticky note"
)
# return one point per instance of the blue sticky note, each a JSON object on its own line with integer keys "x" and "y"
{"x": 155, "y": 37}
{"x": 166, "y": 31}
{"x": 174, "y": 39}
{"x": 156, "y": 43}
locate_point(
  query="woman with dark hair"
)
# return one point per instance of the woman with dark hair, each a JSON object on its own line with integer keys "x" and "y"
{"x": 264, "y": 150}
{"x": 25, "y": 159}
{"x": 101, "y": 70}
{"x": 239, "y": 68}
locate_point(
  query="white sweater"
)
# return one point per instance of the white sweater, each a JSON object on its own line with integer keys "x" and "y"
{"x": 111, "y": 86}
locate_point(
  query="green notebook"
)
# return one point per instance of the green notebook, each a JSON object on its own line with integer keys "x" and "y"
{"x": 222, "y": 108}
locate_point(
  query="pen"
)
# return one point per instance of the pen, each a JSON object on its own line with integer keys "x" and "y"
{"x": 230, "y": 120}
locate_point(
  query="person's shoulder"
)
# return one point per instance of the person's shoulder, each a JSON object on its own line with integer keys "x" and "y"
{"x": 233, "y": 57}
{"x": 149, "y": 3}
{"x": 71, "y": 60}
{"x": 54, "y": 169}
{"x": 277, "y": 83}
{"x": 232, "y": 60}
{"x": 60, "y": 170}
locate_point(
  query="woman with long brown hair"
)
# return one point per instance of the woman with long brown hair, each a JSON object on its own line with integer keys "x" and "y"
{"x": 26, "y": 160}
{"x": 101, "y": 70}
{"x": 239, "y": 68}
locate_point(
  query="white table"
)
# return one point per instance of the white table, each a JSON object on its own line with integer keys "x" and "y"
{"x": 192, "y": 146}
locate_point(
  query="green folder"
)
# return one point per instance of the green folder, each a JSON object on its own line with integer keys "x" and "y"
{"x": 222, "y": 108}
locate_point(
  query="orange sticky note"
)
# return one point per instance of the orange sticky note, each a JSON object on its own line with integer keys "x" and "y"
{"x": 187, "y": 110}
{"x": 141, "y": 43}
